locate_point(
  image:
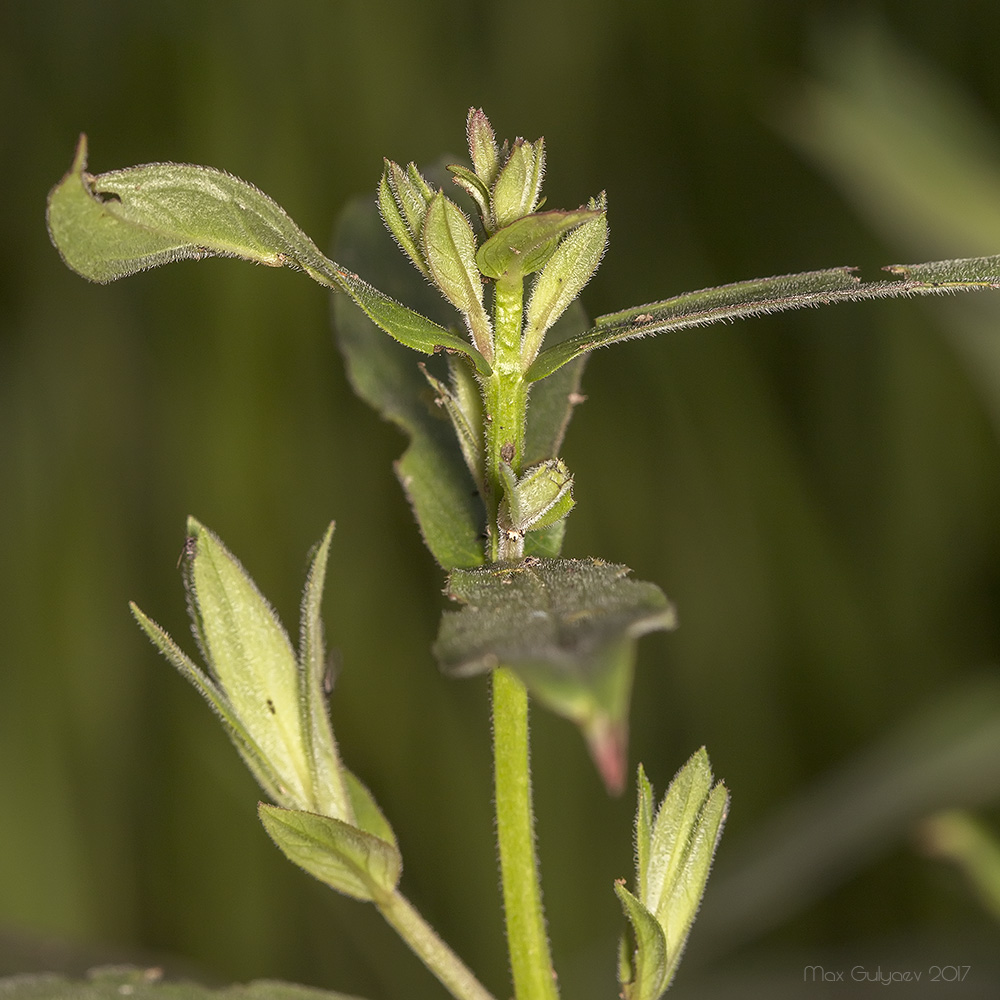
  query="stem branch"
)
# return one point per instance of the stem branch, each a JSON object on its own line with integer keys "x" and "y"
{"x": 423, "y": 940}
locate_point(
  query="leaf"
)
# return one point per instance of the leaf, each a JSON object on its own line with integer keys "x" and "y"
{"x": 649, "y": 961}
{"x": 432, "y": 470}
{"x": 674, "y": 851}
{"x": 564, "y": 276}
{"x": 115, "y": 224}
{"x": 763, "y": 296}
{"x": 342, "y": 856}
{"x": 567, "y": 627}
{"x": 519, "y": 182}
{"x": 250, "y": 656}
{"x": 115, "y": 982}
{"x": 524, "y": 246}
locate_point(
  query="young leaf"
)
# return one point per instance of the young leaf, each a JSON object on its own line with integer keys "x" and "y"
{"x": 674, "y": 851}
{"x": 449, "y": 248}
{"x": 271, "y": 703}
{"x": 648, "y": 976}
{"x": 519, "y": 182}
{"x": 769, "y": 295}
{"x": 340, "y": 855}
{"x": 564, "y": 276}
{"x": 567, "y": 628}
{"x": 527, "y": 243}
{"x": 482, "y": 146}
{"x": 115, "y": 224}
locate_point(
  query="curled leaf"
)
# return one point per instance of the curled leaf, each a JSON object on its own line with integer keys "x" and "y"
{"x": 567, "y": 628}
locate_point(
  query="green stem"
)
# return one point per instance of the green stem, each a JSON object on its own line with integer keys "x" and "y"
{"x": 506, "y": 408}
{"x": 527, "y": 941}
{"x": 423, "y": 940}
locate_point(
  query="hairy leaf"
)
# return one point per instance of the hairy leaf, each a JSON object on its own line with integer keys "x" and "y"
{"x": 769, "y": 295}
{"x": 567, "y": 627}
{"x": 342, "y": 856}
{"x": 115, "y": 224}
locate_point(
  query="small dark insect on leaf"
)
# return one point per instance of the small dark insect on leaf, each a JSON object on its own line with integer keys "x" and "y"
{"x": 189, "y": 550}
{"x": 271, "y": 708}
{"x": 507, "y": 452}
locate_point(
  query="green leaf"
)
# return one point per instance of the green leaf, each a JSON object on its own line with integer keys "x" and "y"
{"x": 649, "y": 960}
{"x": 526, "y": 244}
{"x": 250, "y": 656}
{"x": 674, "y": 851}
{"x": 432, "y": 470}
{"x": 347, "y": 859}
{"x": 568, "y": 629}
{"x": 253, "y": 756}
{"x": 115, "y": 224}
{"x": 564, "y": 276}
{"x": 115, "y": 982}
{"x": 769, "y": 295}
{"x": 519, "y": 182}
{"x": 482, "y": 146}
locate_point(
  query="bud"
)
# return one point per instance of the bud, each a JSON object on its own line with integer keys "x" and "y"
{"x": 482, "y": 146}
{"x": 403, "y": 197}
{"x": 519, "y": 183}
{"x": 449, "y": 249}
{"x": 541, "y": 497}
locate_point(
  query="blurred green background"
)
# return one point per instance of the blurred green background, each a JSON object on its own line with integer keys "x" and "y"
{"x": 818, "y": 492}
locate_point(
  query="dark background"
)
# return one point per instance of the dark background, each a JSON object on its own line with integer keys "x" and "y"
{"x": 817, "y": 492}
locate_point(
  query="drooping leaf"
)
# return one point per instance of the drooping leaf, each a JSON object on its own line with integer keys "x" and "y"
{"x": 115, "y": 982}
{"x": 340, "y": 855}
{"x": 567, "y": 627}
{"x": 114, "y": 224}
{"x": 432, "y": 470}
{"x": 769, "y": 295}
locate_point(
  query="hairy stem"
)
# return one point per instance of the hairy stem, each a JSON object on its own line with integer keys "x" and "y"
{"x": 506, "y": 408}
{"x": 527, "y": 941}
{"x": 423, "y": 940}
